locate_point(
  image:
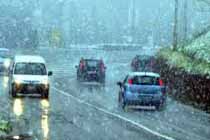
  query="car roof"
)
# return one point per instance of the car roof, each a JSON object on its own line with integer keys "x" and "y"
{"x": 144, "y": 56}
{"x": 91, "y": 59}
{"x": 4, "y": 49}
{"x": 29, "y": 59}
{"x": 144, "y": 74}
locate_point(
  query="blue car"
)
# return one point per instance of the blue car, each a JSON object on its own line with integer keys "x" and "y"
{"x": 142, "y": 89}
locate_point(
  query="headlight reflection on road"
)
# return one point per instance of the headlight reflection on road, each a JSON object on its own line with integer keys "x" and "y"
{"x": 7, "y": 63}
{"x": 18, "y": 107}
{"x": 45, "y": 104}
{"x": 5, "y": 81}
{"x": 45, "y": 119}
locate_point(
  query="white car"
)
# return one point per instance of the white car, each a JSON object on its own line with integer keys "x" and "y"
{"x": 29, "y": 75}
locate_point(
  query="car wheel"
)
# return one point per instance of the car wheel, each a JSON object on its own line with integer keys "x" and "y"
{"x": 78, "y": 76}
{"x": 14, "y": 94}
{"x": 78, "y": 79}
{"x": 122, "y": 102}
{"x": 160, "y": 107}
{"x": 102, "y": 79}
{"x": 45, "y": 95}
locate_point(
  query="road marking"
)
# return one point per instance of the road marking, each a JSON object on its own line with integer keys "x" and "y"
{"x": 115, "y": 115}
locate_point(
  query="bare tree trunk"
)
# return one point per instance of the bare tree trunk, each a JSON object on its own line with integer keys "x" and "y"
{"x": 175, "y": 34}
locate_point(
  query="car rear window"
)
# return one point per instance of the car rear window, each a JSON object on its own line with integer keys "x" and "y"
{"x": 92, "y": 63}
{"x": 144, "y": 80}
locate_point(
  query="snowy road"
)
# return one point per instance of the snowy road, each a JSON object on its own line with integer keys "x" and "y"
{"x": 78, "y": 112}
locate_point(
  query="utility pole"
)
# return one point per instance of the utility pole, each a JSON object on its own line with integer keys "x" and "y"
{"x": 185, "y": 19}
{"x": 38, "y": 20}
{"x": 133, "y": 17}
{"x": 175, "y": 34}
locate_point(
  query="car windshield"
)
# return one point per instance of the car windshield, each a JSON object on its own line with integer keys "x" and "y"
{"x": 4, "y": 53}
{"x": 144, "y": 80}
{"x": 30, "y": 69}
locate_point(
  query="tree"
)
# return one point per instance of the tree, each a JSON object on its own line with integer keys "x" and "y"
{"x": 205, "y": 1}
{"x": 203, "y": 5}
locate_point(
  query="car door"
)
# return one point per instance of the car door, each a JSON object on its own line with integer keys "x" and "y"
{"x": 11, "y": 70}
{"x": 122, "y": 88}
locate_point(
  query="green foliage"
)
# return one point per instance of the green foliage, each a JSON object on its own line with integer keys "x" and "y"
{"x": 198, "y": 49}
{"x": 179, "y": 59}
{"x": 193, "y": 57}
{"x": 5, "y": 126}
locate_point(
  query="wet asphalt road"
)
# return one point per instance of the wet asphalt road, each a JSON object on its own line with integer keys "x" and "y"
{"x": 76, "y": 111}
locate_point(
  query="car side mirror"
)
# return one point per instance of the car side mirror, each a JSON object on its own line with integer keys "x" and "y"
{"x": 50, "y": 73}
{"x": 10, "y": 71}
{"x": 119, "y": 84}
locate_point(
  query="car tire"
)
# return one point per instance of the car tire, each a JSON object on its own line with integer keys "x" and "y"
{"x": 45, "y": 95}
{"x": 78, "y": 78}
{"x": 161, "y": 106}
{"x": 103, "y": 81}
{"x": 14, "y": 94}
{"x": 122, "y": 102}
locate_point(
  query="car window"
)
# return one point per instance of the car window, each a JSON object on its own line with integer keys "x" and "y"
{"x": 143, "y": 80}
{"x": 92, "y": 63}
{"x": 4, "y": 54}
{"x": 30, "y": 69}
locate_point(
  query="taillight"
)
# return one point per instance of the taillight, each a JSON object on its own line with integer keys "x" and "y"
{"x": 130, "y": 81}
{"x": 160, "y": 82}
{"x": 102, "y": 68}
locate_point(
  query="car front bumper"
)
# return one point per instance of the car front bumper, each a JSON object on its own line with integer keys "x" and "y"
{"x": 30, "y": 89}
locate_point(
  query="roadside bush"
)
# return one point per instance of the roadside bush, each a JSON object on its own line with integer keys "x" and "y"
{"x": 188, "y": 79}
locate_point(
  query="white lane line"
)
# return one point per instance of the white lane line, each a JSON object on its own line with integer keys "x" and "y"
{"x": 115, "y": 115}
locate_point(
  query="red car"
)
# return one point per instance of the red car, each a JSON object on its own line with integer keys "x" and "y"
{"x": 91, "y": 70}
{"x": 142, "y": 63}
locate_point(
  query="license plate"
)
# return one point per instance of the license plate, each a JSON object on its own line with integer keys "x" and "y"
{"x": 31, "y": 87}
{"x": 144, "y": 97}
{"x": 92, "y": 72}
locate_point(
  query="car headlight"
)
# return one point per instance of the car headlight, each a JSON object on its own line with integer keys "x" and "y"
{"x": 17, "y": 82}
{"x": 7, "y": 63}
{"x": 45, "y": 82}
